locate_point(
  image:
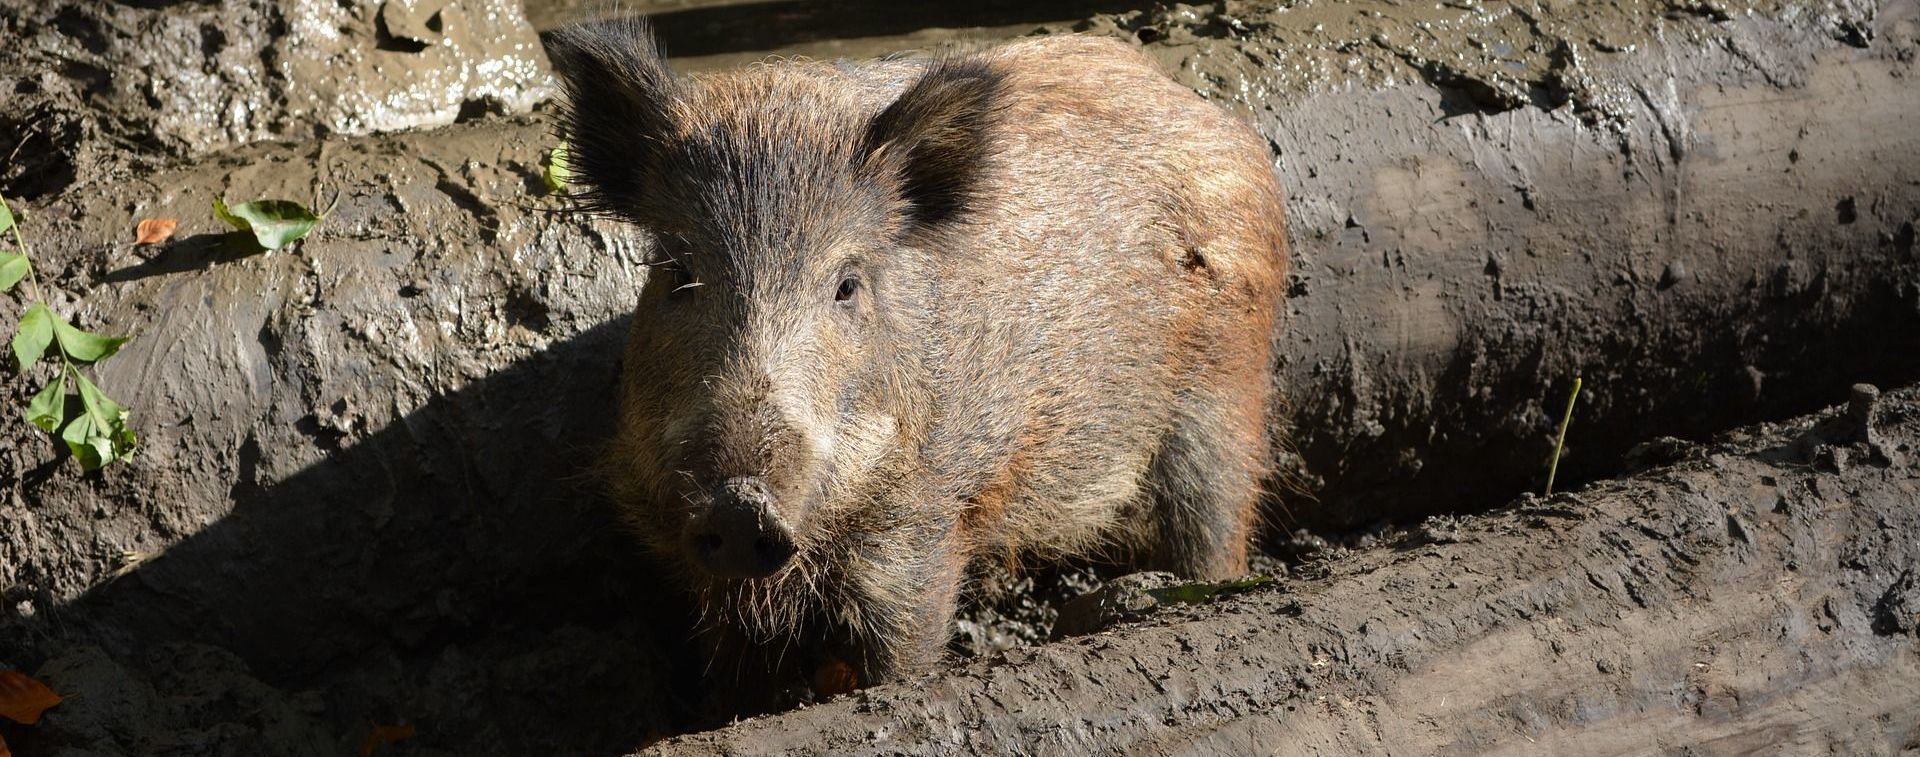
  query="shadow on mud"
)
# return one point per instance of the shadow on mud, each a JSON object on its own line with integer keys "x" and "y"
{"x": 782, "y": 23}
{"x": 195, "y": 253}
{"x": 454, "y": 570}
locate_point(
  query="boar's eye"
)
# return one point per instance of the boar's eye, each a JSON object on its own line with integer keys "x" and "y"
{"x": 849, "y": 285}
{"x": 679, "y": 279}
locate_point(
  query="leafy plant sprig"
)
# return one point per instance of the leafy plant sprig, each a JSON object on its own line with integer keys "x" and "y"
{"x": 97, "y": 434}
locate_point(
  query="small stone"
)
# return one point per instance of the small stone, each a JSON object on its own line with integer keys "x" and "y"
{"x": 1860, "y": 408}
{"x": 1755, "y": 384}
{"x": 1674, "y": 273}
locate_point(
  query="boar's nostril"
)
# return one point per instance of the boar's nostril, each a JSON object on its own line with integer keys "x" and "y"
{"x": 706, "y": 544}
{"x": 773, "y": 550}
{"x": 741, "y": 536}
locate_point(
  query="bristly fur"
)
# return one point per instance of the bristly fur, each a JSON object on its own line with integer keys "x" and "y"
{"x": 619, "y": 101}
{"x": 1009, "y": 305}
{"x": 626, "y": 115}
{"x": 938, "y": 134}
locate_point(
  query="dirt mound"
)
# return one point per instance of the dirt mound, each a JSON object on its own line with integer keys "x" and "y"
{"x": 95, "y": 86}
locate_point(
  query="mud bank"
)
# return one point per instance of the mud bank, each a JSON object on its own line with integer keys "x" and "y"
{"x": 359, "y": 503}
{"x": 89, "y": 89}
{"x": 1667, "y": 205}
{"x": 1759, "y": 593}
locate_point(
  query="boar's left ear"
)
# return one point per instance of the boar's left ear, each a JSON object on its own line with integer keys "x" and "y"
{"x": 619, "y": 110}
{"x": 938, "y": 133}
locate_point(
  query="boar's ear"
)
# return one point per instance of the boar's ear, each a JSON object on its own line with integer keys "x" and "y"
{"x": 935, "y": 137}
{"x": 619, "y": 107}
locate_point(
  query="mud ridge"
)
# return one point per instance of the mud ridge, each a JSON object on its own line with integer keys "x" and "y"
{"x": 1620, "y": 618}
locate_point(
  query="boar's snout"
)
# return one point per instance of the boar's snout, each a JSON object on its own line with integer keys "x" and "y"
{"x": 740, "y": 535}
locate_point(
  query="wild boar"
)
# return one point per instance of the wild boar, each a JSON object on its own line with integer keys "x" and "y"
{"x": 905, "y": 315}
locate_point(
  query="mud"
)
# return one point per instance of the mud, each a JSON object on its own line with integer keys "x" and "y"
{"x": 1608, "y": 224}
{"x": 1749, "y": 597}
{"x": 98, "y": 91}
{"x": 717, "y": 34}
{"x": 358, "y": 501}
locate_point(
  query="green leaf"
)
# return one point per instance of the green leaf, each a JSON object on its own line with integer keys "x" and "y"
{"x": 6, "y": 216}
{"x": 49, "y": 407}
{"x": 84, "y": 346}
{"x": 13, "y": 268}
{"x": 557, "y": 173}
{"x": 274, "y": 223}
{"x": 99, "y": 435}
{"x": 34, "y": 334}
{"x": 87, "y": 445}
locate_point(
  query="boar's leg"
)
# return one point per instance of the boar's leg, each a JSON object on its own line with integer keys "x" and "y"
{"x": 745, "y": 677}
{"x": 904, "y": 623}
{"x": 1205, "y": 481}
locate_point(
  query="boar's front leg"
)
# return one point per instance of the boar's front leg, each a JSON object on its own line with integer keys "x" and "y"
{"x": 747, "y": 677}
{"x": 901, "y": 616}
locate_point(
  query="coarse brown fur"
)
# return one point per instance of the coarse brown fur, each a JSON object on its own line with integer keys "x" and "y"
{"x": 1013, "y": 305}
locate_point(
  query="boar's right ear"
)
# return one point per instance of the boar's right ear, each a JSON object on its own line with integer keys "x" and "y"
{"x": 937, "y": 134}
{"x": 619, "y": 107}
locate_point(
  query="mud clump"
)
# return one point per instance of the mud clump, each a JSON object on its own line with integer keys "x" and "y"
{"x": 94, "y": 85}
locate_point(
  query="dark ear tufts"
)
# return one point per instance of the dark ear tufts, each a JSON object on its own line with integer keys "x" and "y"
{"x": 618, "y": 110}
{"x": 937, "y": 135}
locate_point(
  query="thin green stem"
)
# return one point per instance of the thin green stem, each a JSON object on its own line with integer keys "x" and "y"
{"x": 33, "y": 277}
{"x": 32, "y": 283}
{"x": 1553, "y": 467}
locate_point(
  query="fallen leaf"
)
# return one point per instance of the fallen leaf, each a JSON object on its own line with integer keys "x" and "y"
{"x": 22, "y": 698}
{"x": 833, "y": 678}
{"x": 274, "y": 223}
{"x": 154, "y": 230}
{"x": 558, "y": 173}
{"x": 384, "y": 735}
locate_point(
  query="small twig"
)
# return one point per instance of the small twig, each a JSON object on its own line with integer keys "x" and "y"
{"x": 1553, "y": 467}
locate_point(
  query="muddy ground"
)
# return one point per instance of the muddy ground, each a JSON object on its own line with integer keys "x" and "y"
{"x": 360, "y": 502}
{"x": 1755, "y": 594}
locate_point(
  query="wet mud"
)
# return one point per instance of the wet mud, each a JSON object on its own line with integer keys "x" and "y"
{"x": 1753, "y": 593}
{"x": 360, "y": 499}
{"x": 90, "y": 90}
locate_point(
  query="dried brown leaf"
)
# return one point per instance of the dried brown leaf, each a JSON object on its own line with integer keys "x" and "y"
{"x": 833, "y": 678}
{"x": 22, "y": 698}
{"x": 383, "y": 736}
{"x": 154, "y": 230}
